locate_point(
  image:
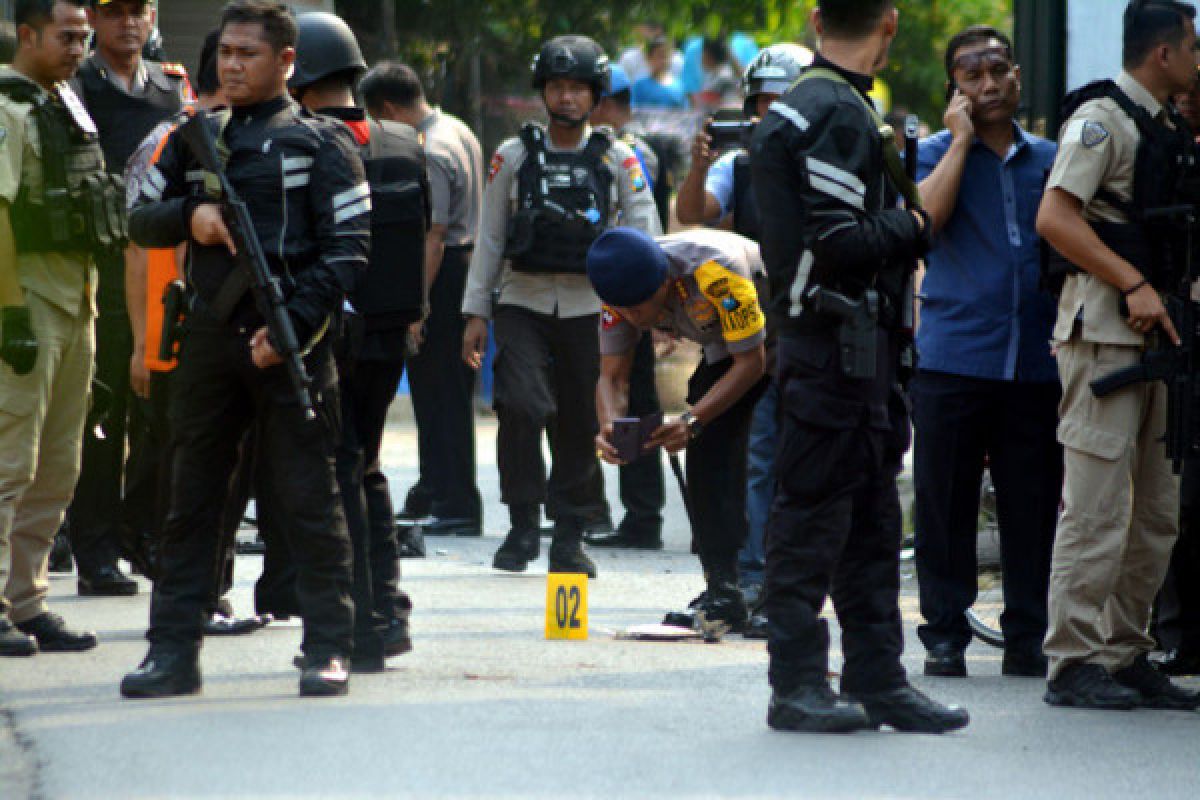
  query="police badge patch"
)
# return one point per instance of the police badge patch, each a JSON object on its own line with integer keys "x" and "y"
{"x": 1093, "y": 134}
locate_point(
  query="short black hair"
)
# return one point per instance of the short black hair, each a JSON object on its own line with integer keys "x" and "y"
{"x": 1150, "y": 23}
{"x": 976, "y": 34}
{"x": 715, "y": 49}
{"x": 623, "y": 98}
{"x": 207, "y": 81}
{"x": 36, "y": 13}
{"x": 391, "y": 82}
{"x": 852, "y": 19}
{"x": 658, "y": 41}
{"x": 277, "y": 21}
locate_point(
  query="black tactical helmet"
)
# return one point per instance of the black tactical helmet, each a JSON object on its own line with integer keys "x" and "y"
{"x": 773, "y": 71}
{"x": 325, "y": 46}
{"x": 575, "y": 57}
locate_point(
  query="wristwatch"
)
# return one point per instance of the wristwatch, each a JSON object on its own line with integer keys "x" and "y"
{"x": 693, "y": 425}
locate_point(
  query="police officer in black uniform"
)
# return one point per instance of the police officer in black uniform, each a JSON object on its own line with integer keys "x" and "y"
{"x": 389, "y": 297}
{"x": 836, "y": 245}
{"x": 127, "y": 96}
{"x": 304, "y": 185}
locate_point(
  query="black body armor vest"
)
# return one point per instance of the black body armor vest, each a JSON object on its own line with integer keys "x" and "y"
{"x": 564, "y": 203}
{"x": 746, "y": 219}
{"x": 393, "y": 288}
{"x": 80, "y": 207}
{"x": 124, "y": 121}
{"x": 1164, "y": 159}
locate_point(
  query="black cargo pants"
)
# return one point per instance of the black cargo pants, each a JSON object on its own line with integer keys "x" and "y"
{"x": 836, "y": 524}
{"x": 546, "y": 370}
{"x": 217, "y": 394}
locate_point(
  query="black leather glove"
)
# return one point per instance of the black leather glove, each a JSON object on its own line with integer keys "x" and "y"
{"x": 18, "y": 344}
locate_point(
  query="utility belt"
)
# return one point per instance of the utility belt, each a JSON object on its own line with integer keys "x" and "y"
{"x": 551, "y": 240}
{"x": 88, "y": 219}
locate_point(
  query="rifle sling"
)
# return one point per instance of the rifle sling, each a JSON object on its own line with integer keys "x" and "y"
{"x": 893, "y": 164}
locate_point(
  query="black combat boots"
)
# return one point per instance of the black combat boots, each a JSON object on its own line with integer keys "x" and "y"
{"x": 566, "y": 550}
{"x": 815, "y": 709}
{"x": 906, "y": 709}
{"x": 165, "y": 672}
{"x": 522, "y": 544}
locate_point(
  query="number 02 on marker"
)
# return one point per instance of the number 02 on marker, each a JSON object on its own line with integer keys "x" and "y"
{"x": 566, "y": 606}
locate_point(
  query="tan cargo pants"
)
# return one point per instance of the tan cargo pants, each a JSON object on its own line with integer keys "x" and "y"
{"x": 41, "y": 434}
{"x": 1120, "y": 517}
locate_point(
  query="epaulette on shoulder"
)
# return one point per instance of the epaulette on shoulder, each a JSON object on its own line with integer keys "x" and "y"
{"x": 19, "y": 90}
{"x": 174, "y": 70}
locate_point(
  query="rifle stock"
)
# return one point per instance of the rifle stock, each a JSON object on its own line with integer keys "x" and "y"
{"x": 268, "y": 295}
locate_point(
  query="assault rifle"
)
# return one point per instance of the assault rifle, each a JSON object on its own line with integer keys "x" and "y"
{"x": 1176, "y": 366}
{"x": 196, "y": 133}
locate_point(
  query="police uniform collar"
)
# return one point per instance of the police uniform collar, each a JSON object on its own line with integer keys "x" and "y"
{"x": 1138, "y": 93}
{"x": 864, "y": 83}
{"x": 583, "y": 141}
{"x": 344, "y": 113}
{"x": 272, "y": 106}
{"x": 140, "y": 77}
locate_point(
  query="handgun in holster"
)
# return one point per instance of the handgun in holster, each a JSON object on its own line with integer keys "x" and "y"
{"x": 858, "y": 322}
{"x": 174, "y": 311}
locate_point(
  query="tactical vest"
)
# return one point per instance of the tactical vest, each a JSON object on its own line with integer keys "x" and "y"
{"x": 1164, "y": 156}
{"x": 125, "y": 120}
{"x": 394, "y": 283}
{"x": 80, "y": 208}
{"x": 563, "y": 203}
{"x": 746, "y": 220}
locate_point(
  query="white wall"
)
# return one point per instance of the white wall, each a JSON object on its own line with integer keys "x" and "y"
{"x": 1094, "y": 39}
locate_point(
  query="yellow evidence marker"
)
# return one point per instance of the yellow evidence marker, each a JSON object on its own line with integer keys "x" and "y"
{"x": 566, "y": 606}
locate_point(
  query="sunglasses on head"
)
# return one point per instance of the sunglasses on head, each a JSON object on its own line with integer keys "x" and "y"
{"x": 970, "y": 67}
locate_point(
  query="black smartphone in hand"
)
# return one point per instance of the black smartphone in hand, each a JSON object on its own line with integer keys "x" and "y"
{"x": 630, "y": 435}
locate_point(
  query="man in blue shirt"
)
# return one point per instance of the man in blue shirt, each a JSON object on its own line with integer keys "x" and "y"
{"x": 987, "y": 390}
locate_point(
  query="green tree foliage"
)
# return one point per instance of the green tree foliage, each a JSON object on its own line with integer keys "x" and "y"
{"x": 441, "y": 37}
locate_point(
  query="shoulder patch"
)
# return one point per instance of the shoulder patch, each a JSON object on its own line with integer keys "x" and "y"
{"x": 735, "y": 299}
{"x": 609, "y": 319}
{"x": 637, "y": 179}
{"x": 174, "y": 70}
{"x": 496, "y": 165}
{"x": 1092, "y": 133}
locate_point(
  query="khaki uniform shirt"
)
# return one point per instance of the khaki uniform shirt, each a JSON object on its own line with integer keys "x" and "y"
{"x": 1098, "y": 149}
{"x": 65, "y": 280}
{"x": 565, "y": 295}
{"x": 455, "y": 169}
{"x": 716, "y": 277}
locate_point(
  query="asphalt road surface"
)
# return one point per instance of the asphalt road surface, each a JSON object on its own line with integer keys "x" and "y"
{"x": 486, "y": 707}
